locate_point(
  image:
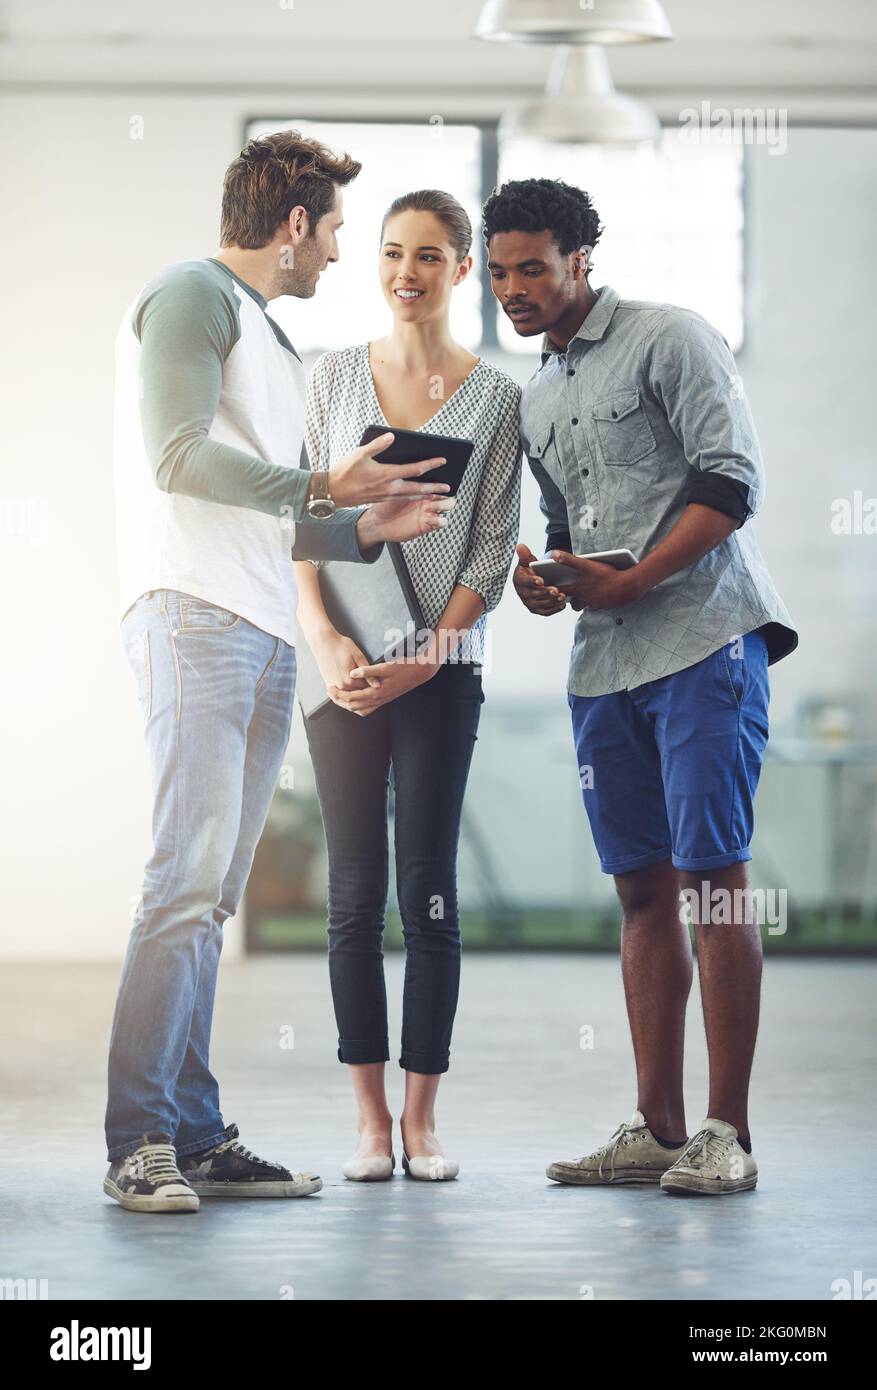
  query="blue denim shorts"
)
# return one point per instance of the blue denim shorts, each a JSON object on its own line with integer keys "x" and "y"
{"x": 669, "y": 770}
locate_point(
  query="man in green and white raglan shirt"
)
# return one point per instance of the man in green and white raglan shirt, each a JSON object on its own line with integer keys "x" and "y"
{"x": 215, "y": 499}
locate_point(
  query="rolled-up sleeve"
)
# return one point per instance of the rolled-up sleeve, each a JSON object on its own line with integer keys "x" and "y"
{"x": 691, "y": 370}
{"x": 494, "y": 530}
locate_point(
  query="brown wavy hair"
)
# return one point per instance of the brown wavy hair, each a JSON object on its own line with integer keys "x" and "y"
{"x": 272, "y": 175}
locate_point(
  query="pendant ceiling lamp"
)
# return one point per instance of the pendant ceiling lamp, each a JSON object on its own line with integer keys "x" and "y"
{"x": 581, "y": 106}
{"x": 570, "y": 21}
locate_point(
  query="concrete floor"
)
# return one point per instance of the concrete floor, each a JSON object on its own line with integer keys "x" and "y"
{"x": 521, "y": 1092}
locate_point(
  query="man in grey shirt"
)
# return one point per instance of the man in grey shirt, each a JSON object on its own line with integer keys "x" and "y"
{"x": 638, "y": 433}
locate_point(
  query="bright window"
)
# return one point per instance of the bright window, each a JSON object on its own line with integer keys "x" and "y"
{"x": 673, "y": 219}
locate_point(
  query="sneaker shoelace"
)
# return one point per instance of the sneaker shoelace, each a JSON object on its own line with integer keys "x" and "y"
{"x": 706, "y": 1144}
{"x": 610, "y": 1149}
{"x": 236, "y": 1147}
{"x": 160, "y": 1164}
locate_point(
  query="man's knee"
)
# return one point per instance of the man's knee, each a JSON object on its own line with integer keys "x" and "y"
{"x": 193, "y": 881}
{"x": 653, "y": 890}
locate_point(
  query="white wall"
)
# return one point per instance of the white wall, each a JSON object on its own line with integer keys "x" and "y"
{"x": 91, "y": 214}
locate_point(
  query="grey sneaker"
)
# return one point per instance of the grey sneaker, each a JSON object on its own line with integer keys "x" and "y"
{"x": 631, "y": 1155}
{"x": 713, "y": 1162}
{"x": 149, "y": 1180}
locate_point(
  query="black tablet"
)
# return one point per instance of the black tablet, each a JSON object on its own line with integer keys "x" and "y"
{"x": 410, "y": 446}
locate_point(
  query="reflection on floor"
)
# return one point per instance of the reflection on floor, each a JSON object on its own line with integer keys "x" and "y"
{"x": 521, "y": 1092}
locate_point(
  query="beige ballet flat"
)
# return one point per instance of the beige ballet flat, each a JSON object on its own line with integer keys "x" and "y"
{"x": 376, "y": 1169}
{"x": 430, "y": 1168}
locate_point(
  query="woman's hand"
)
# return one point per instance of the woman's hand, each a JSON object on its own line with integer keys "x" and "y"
{"x": 336, "y": 656}
{"x": 404, "y": 519}
{"x": 383, "y": 682}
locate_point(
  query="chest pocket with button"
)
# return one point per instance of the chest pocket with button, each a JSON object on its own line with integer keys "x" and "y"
{"x": 543, "y": 449}
{"x": 623, "y": 429}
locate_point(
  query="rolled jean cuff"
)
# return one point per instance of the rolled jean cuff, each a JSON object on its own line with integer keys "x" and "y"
{"x": 128, "y": 1147}
{"x": 131, "y": 1145}
{"x": 361, "y": 1051}
{"x": 429, "y": 1063}
{"x": 713, "y": 861}
{"x": 198, "y": 1144}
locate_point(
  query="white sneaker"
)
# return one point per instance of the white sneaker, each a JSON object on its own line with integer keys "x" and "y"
{"x": 714, "y": 1162}
{"x": 633, "y": 1154}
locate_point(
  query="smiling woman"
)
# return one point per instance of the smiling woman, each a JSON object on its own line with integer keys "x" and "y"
{"x": 417, "y": 720}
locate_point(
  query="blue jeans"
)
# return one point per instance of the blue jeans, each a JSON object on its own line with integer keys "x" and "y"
{"x": 216, "y": 694}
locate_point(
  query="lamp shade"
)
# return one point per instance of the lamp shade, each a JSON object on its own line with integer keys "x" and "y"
{"x": 569, "y": 21}
{"x": 581, "y": 106}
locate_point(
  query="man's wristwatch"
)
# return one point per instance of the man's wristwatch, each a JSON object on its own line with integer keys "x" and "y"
{"x": 320, "y": 504}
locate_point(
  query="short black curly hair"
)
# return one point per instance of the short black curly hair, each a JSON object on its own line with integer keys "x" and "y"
{"x": 538, "y": 205}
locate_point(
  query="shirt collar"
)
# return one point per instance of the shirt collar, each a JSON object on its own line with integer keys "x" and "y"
{"x": 593, "y": 326}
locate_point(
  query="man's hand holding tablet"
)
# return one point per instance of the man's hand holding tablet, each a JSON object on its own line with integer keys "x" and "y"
{"x": 358, "y": 480}
{"x": 607, "y": 579}
{"x": 598, "y": 583}
{"x": 412, "y": 446}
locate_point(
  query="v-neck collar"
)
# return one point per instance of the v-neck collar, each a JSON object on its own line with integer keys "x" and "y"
{"x": 374, "y": 391}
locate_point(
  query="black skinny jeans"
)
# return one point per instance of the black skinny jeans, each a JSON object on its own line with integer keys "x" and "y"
{"x": 427, "y": 736}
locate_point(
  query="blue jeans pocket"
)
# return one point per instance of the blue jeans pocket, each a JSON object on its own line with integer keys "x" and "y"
{"x": 197, "y": 615}
{"x": 137, "y": 651}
